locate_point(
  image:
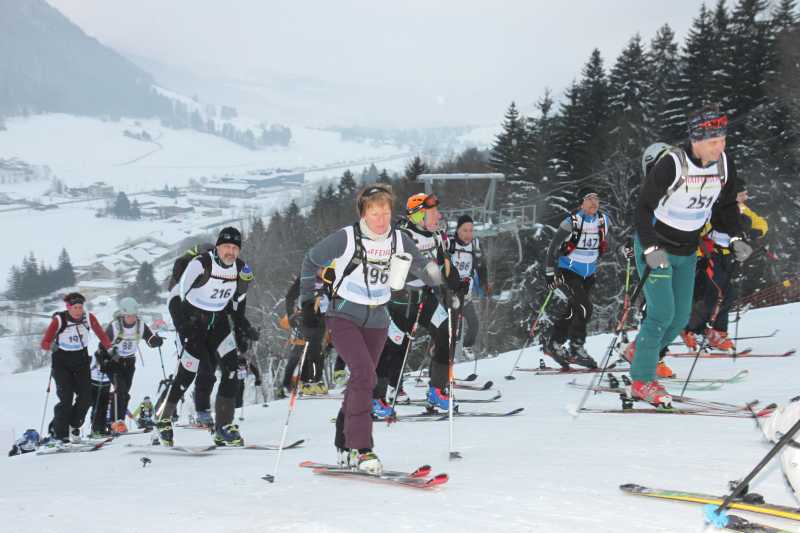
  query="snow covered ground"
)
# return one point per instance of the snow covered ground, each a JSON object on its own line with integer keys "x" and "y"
{"x": 542, "y": 470}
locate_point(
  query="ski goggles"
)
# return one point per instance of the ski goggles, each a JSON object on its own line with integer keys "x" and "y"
{"x": 429, "y": 202}
{"x": 74, "y": 299}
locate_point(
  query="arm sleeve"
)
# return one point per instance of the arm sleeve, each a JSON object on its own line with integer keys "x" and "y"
{"x": 50, "y": 333}
{"x": 110, "y": 330}
{"x": 193, "y": 271}
{"x": 563, "y": 233}
{"x": 654, "y": 187}
{"x": 98, "y": 330}
{"x": 425, "y": 269}
{"x": 147, "y": 334}
{"x": 291, "y": 297}
{"x": 317, "y": 257}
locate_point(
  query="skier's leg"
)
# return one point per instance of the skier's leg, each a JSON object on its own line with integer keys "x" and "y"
{"x": 660, "y": 315}
{"x": 83, "y": 396}
{"x": 62, "y": 411}
{"x": 204, "y": 385}
{"x": 723, "y": 275}
{"x": 581, "y": 307}
{"x": 683, "y": 269}
{"x": 470, "y": 324}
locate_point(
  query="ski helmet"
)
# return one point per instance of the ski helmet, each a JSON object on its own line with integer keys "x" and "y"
{"x": 652, "y": 154}
{"x": 128, "y": 306}
{"x": 418, "y": 203}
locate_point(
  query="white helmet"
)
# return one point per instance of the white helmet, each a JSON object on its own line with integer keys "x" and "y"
{"x": 128, "y": 306}
{"x": 652, "y": 154}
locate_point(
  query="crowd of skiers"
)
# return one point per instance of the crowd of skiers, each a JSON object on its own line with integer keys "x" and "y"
{"x": 365, "y": 290}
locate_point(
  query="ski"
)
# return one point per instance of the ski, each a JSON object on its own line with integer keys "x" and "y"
{"x": 550, "y": 371}
{"x": 295, "y": 444}
{"x": 179, "y": 450}
{"x": 437, "y": 416}
{"x": 410, "y": 479}
{"x": 736, "y": 378}
{"x": 679, "y": 411}
{"x": 726, "y": 355}
{"x": 745, "y": 504}
{"x": 422, "y": 471}
{"x": 737, "y": 523}
{"x": 705, "y": 404}
{"x": 424, "y": 402}
{"x": 672, "y": 382}
{"x": 709, "y": 354}
{"x": 736, "y": 339}
{"x": 72, "y": 448}
{"x": 193, "y": 426}
{"x": 464, "y": 386}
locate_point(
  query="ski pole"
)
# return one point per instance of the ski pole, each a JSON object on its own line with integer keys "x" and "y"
{"x": 531, "y": 334}
{"x": 46, "y": 399}
{"x": 617, "y": 331}
{"x": 161, "y": 358}
{"x": 411, "y": 337}
{"x": 626, "y": 305}
{"x": 292, "y": 402}
{"x": 717, "y": 515}
{"x": 453, "y": 454}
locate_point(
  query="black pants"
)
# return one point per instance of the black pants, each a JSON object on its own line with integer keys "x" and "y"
{"x": 100, "y": 407}
{"x": 314, "y": 364}
{"x": 72, "y": 377}
{"x": 572, "y": 323}
{"x": 403, "y": 312}
{"x": 123, "y": 380}
{"x": 206, "y": 335}
{"x": 724, "y": 267}
{"x": 470, "y": 324}
{"x": 204, "y": 385}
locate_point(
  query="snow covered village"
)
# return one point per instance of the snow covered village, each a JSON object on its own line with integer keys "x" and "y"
{"x": 451, "y": 266}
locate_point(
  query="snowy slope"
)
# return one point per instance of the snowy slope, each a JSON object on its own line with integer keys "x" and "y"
{"x": 83, "y": 150}
{"x": 540, "y": 471}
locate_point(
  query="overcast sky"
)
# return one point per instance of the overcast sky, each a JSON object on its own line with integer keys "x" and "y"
{"x": 407, "y": 62}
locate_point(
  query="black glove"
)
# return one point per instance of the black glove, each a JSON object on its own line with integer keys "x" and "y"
{"x": 258, "y": 382}
{"x": 114, "y": 354}
{"x": 155, "y": 341}
{"x": 553, "y": 280}
{"x": 242, "y": 342}
{"x": 103, "y": 358}
{"x": 311, "y": 317}
{"x": 463, "y": 289}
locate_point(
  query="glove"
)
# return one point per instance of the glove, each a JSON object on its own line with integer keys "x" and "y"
{"x": 656, "y": 258}
{"x": 451, "y": 299}
{"x": 553, "y": 280}
{"x": 258, "y": 382}
{"x": 311, "y": 318}
{"x": 155, "y": 341}
{"x": 741, "y": 250}
{"x": 242, "y": 342}
{"x": 463, "y": 288}
{"x": 626, "y": 250}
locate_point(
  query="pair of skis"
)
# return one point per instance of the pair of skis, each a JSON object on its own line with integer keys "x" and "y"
{"x": 83, "y": 446}
{"x": 416, "y": 479}
{"x": 207, "y": 450}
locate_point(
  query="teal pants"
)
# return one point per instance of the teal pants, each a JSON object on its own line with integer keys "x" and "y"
{"x": 668, "y": 292}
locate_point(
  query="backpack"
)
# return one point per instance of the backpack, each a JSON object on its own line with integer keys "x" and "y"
{"x": 577, "y": 229}
{"x": 183, "y": 260}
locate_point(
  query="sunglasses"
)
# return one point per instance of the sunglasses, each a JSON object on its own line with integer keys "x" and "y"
{"x": 714, "y": 123}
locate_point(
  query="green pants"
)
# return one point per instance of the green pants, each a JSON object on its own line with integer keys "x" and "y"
{"x": 668, "y": 292}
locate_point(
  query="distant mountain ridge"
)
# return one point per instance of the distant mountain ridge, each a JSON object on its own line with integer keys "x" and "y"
{"x": 48, "y": 64}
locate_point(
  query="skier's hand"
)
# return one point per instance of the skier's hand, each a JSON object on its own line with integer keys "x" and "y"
{"x": 155, "y": 341}
{"x": 626, "y": 251}
{"x": 451, "y": 299}
{"x": 553, "y": 280}
{"x": 656, "y": 258}
{"x": 258, "y": 382}
{"x": 741, "y": 250}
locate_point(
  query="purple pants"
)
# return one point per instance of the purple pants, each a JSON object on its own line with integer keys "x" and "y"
{"x": 360, "y": 348}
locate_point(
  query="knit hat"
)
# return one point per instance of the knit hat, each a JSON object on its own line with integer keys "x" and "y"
{"x": 707, "y": 123}
{"x": 230, "y": 235}
{"x": 463, "y": 219}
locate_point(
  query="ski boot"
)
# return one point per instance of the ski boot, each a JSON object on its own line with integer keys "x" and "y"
{"x": 204, "y": 418}
{"x": 164, "y": 428}
{"x": 308, "y": 389}
{"x": 438, "y": 399}
{"x": 652, "y": 392}
{"x": 664, "y": 371}
{"x": 321, "y": 388}
{"x": 343, "y": 457}
{"x": 689, "y": 340}
{"x": 718, "y": 339}
{"x": 579, "y": 356}
{"x": 557, "y": 352}
{"x": 119, "y": 427}
{"x": 366, "y": 461}
{"x": 340, "y": 377}
{"x": 74, "y": 435}
{"x": 228, "y": 435}
{"x": 382, "y": 410}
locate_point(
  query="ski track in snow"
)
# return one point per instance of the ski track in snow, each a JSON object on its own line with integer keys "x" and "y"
{"x": 542, "y": 470}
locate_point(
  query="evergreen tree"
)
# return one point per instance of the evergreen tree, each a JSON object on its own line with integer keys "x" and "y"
{"x": 65, "y": 274}
{"x": 669, "y": 113}
{"x": 414, "y": 168}
{"x": 383, "y": 177}
{"x": 347, "y": 185}
{"x": 594, "y": 105}
{"x": 145, "y": 289}
{"x": 698, "y": 80}
{"x": 14, "y": 283}
{"x": 122, "y": 206}
{"x": 507, "y": 155}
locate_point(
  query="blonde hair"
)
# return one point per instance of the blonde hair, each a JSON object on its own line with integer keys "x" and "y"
{"x": 376, "y": 193}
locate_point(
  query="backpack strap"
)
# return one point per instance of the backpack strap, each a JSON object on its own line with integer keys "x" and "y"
{"x": 359, "y": 257}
